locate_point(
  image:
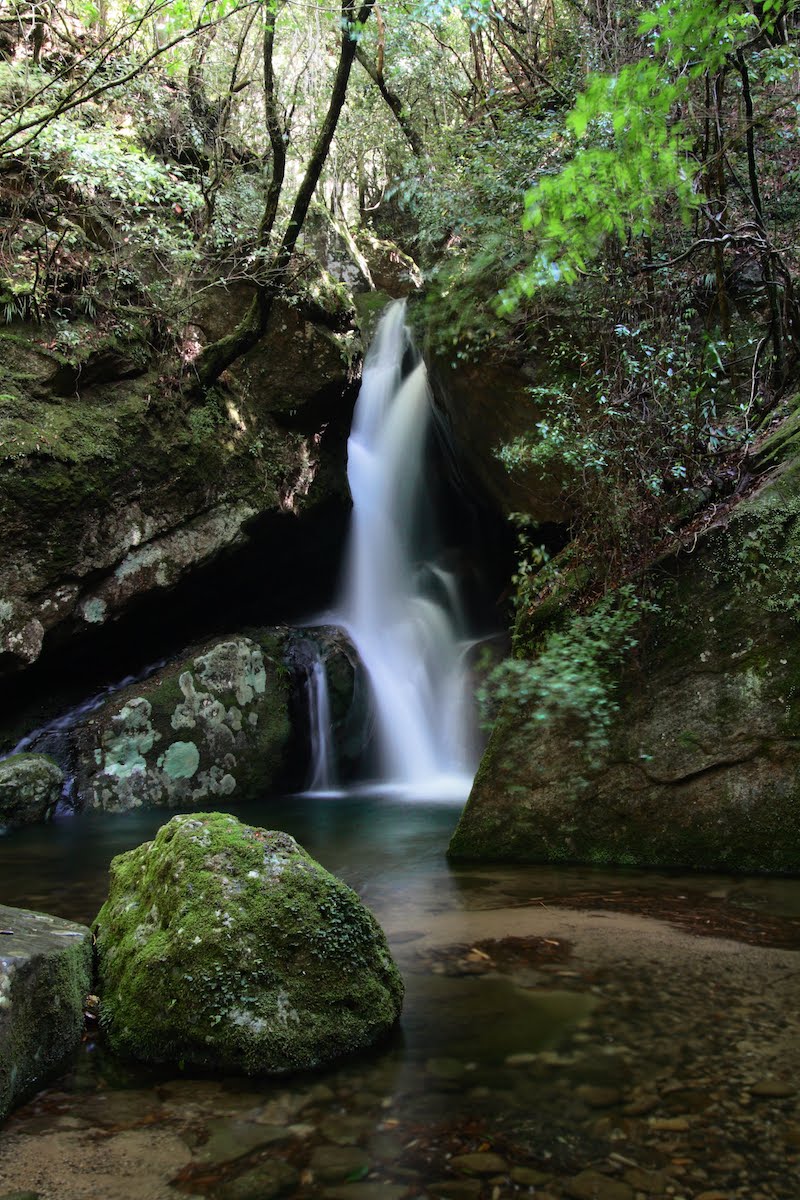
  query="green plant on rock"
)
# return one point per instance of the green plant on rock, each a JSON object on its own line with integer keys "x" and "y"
{"x": 634, "y": 441}
{"x": 765, "y": 553}
{"x": 571, "y": 680}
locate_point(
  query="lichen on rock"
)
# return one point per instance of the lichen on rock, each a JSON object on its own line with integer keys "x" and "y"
{"x": 30, "y": 788}
{"x": 226, "y": 946}
{"x": 209, "y": 725}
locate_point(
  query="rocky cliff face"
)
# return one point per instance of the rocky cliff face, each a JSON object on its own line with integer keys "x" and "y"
{"x": 703, "y": 766}
{"x": 115, "y": 482}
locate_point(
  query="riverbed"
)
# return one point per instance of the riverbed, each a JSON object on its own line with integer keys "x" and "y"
{"x": 567, "y": 1032}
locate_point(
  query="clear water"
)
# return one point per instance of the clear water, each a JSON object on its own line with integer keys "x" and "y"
{"x": 534, "y": 1050}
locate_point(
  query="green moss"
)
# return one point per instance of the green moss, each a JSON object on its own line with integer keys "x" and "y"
{"x": 224, "y": 945}
{"x": 45, "y": 977}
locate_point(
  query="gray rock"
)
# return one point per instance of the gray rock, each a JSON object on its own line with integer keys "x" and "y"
{"x": 773, "y": 1089}
{"x": 591, "y": 1185}
{"x": 230, "y": 1139}
{"x": 480, "y": 1163}
{"x": 377, "y": 1190}
{"x": 30, "y": 788}
{"x": 456, "y": 1189}
{"x": 345, "y": 1130}
{"x": 263, "y": 1182}
{"x": 45, "y": 975}
{"x": 332, "y": 1164}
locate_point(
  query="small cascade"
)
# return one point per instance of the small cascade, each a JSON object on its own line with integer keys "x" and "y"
{"x": 55, "y": 736}
{"x": 399, "y": 607}
{"x": 322, "y": 774}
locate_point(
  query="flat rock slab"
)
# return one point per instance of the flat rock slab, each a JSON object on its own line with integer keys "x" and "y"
{"x": 45, "y": 975}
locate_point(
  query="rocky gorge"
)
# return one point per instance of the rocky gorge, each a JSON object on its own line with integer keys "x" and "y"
{"x": 399, "y": 475}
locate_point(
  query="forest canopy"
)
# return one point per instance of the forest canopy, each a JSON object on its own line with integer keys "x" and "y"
{"x": 610, "y": 185}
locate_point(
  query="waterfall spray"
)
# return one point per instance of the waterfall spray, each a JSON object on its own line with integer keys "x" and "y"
{"x": 403, "y": 614}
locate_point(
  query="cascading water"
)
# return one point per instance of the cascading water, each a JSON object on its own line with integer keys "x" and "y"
{"x": 402, "y": 614}
{"x": 322, "y": 778}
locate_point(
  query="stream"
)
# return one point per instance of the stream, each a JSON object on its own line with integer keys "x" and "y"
{"x": 567, "y": 1032}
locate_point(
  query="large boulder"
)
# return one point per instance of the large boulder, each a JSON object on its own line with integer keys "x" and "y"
{"x": 45, "y": 976}
{"x": 117, "y": 482}
{"x": 226, "y": 946}
{"x": 30, "y": 788}
{"x": 209, "y": 725}
{"x": 702, "y": 768}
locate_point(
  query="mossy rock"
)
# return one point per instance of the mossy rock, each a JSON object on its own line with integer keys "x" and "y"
{"x": 702, "y": 768}
{"x": 30, "y": 788}
{"x": 225, "y": 946}
{"x": 45, "y": 976}
{"x": 124, "y": 489}
{"x": 212, "y": 724}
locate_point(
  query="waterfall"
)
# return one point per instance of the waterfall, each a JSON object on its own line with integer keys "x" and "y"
{"x": 402, "y": 613}
{"x": 322, "y": 774}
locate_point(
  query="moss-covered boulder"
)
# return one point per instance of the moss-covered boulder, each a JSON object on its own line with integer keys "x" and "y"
{"x": 702, "y": 768}
{"x": 45, "y": 976}
{"x": 210, "y": 725}
{"x": 30, "y": 788}
{"x": 228, "y": 947}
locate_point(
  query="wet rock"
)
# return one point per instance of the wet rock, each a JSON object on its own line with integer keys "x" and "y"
{"x": 227, "y": 946}
{"x": 446, "y": 1069}
{"x": 641, "y": 1180}
{"x": 641, "y": 1106}
{"x": 45, "y": 975}
{"x": 598, "y": 1097}
{"x": 702, "y": 768}
{"x": 669, "y": 1124}
{"x": 521, "y": 1060}
{"x": 480, "y": 1163}
{"x": 591, "y": 1185}
{"x": 773, "y": 1089}
{"x": 331, "y": 1164}
{"x": 345, "y": 1130}
{"x": 366, "y": 1191}
{"x": 456, "y": 1189}
{"x": 319, "y": 1093}
{"x": 30, "y": 788}
{"x": 263, "y": 1182}
{"x": 223, "y": 1139}
{"x": 528, "y": 1177}
{"x": 206, "y": 727}
{"x": 387, "y": 1147}
{"x": 139, "y": 487}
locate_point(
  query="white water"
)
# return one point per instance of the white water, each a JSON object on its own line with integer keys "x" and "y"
{"x": 408, "y": 635}
{"x": 322, "y": 770}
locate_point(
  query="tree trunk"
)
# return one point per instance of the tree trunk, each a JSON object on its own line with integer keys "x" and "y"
{"x": 219, "y": 355}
